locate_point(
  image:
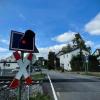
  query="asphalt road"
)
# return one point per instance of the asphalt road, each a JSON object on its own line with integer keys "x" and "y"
{"x": 71, "y": 86}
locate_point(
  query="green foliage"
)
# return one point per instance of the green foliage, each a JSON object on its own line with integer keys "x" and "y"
{"x": 80, "y": 43}
{"x": 77, "y": 63}
{"x": 51, "y": 58}
{"x": 97, "y": 74}
{"x": 66, "y": 48}
{"x": 57, "y": 63}
{"x": 38, "y": 76}
{"x": 93, "y": 63}
{"x": 40, "y": 96}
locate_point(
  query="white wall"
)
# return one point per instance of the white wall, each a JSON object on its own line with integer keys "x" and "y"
{"x": 12, "y": 66}
{"x": 66, "y": 58}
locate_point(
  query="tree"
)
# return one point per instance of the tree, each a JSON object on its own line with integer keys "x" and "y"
{"x": 66, "y": 49}
{"x": 93, "y": 63}
{"x": 76, "y": 63}
{"x": 57, "y": 63}
{"x": 51, "y": 59}
{"x": 45, "y": 63}
{"x": 89, "y": 50}
{"x": 79, "y": 42}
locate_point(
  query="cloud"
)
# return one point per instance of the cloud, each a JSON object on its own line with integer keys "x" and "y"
{"x": 4, "y": 41}
{"x": 65, "y": 37}
{"x": 89, "y": 43}
{"x": 43, "y": 52}
{"x": 5, "y": 55}
{"x": 3, "y": 49}
{"x": 22, "y": 16}
{"x": 93, "y": 27}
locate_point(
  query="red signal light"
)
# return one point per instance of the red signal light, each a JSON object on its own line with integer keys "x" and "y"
{"x": 23, "y": 41}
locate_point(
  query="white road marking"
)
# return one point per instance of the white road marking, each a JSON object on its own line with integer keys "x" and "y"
{"x": 58, "y": 94}
{"x": 53, "y": 90}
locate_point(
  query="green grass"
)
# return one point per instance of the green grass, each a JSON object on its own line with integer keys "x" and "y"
{"x": 97, "y": 74}
{"x": 40, "y": 96}
{"x": 38, "y": 76}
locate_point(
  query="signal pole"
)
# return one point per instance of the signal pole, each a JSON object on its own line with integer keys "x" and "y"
{"x": 20, "y": 86}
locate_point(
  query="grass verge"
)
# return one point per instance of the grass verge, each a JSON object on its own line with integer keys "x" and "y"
{"x": 38, "y": 76}
{"x": 40, "y": 96}
{"x": 97, "y": 74}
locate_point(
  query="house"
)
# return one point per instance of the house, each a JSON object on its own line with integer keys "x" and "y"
{"x": 97, "y": 54}
{"x": 65, "y": 58}
{"x": 7, "y": 63}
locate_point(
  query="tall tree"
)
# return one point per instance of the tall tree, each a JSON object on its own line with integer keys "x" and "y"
{"x": 79, "y": 42}
{"x": 93, "y": 63}
{"x": 51, "y": 60}
{"x": 76, "y": 63}
{"x": 66, "y": 48}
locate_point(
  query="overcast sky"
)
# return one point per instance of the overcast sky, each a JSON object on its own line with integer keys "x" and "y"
{"x": 54, "y": 21}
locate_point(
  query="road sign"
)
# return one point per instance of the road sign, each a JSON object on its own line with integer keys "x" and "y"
{"x": 22, "y": 71}
{"x": 23, "y": 42}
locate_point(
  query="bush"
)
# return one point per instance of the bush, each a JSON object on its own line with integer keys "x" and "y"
{"x": 77, "y": 63}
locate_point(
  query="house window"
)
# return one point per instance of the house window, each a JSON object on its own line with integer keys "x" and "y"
{"x": 9, "y": 60}
{"x": 64, "y": 56}
{"x": 8, "y": 65}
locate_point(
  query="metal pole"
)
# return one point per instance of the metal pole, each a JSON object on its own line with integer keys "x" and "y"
{"x": 29, "y": 70}
{"x": 29, "y": 86}
{"x": 87, "y": 67}
{"x": 20, "y": 86}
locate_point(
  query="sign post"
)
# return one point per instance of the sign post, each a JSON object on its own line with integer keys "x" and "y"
{"x": 24, "y": 43}
{"x": 86, "y": 61}
{"x": 20, "y": 84}
{"x": 29, "y": 71}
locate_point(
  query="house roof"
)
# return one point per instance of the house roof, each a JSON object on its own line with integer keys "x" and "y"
{"x": 62, "y": 53}
{"x": 96, "y": 51}
{"x": 98, "y": 58}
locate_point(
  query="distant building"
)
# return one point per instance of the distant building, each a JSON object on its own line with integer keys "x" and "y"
{"x": 97, "y": 52}
{"x": 41, "y": 61}
{"x": 6, "y": 63}
{"x": 65, "y": 58}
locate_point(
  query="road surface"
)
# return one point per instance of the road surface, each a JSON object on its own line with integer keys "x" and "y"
{"x": 71, "y": 86}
